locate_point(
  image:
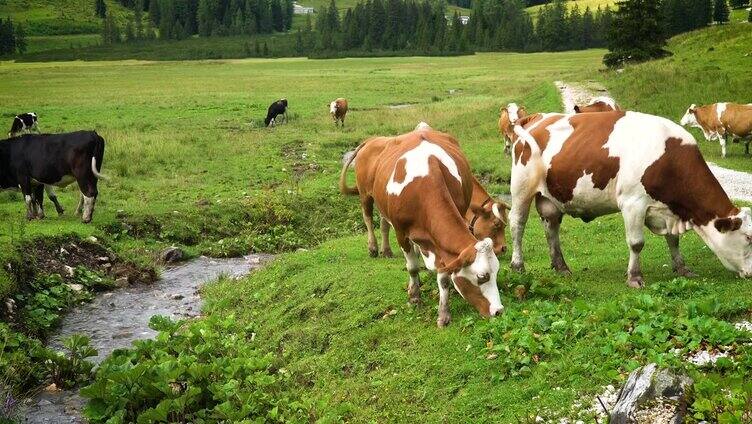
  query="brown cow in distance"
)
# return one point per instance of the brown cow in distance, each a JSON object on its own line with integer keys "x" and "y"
{"x": 338, "y": 110}
{"x": 598, "y": 104}
{"x": 422, "y": 185}
{"x": 646, "y": 167}
{"x": 721, "y": 121}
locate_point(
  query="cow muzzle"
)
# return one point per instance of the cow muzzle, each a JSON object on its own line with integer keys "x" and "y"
{"x": 496, "y": 312}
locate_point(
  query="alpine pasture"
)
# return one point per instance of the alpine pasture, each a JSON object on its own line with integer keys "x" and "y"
{"x": 190, "y": 163}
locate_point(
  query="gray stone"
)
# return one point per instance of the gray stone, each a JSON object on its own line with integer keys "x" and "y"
{"x": 122, "y": 282}
{"x": 171, "y": 255}
{"x": 75, "y": 287}
{"x": 650, "y": 386}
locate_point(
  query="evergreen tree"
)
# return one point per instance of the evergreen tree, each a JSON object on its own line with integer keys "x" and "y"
{"x": 266, "y": 49}
{"x": 20, "y": 39}
{"x": 257, "y": 48}
{"x": 299, "y": 46}
{"x": 721, "y": 11}
{"x": 138, "y": 17}
{"x": 129, "y": 32}
{"x": 749, "y": 17}
{"x": 154, "y": 12}
{"x": 738, "y": 4}
{"x": 100, "y": 8}
{"x": 636, "y": 33}
{"x": 588, "y": 28}
{"x": 278, "y": 19}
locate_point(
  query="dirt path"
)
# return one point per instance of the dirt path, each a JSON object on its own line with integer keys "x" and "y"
{"x": 115, "y": 319}
{"x": 737, "y": 184}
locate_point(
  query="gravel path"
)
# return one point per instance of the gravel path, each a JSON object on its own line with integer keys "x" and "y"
{"x": 738, "y": 185}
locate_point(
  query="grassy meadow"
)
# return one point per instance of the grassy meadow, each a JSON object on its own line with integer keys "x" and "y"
{"x": 191, "y": 164}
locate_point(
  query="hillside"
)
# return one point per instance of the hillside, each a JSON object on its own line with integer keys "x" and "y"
{"x": 708, "y": 66}
{"x": 592, "y": 4}
{"x": 57, "y": 17}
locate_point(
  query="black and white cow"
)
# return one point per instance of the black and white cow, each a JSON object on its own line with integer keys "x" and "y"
{"x": 275, "y": 109}
{"x": 24, "y": 123}
{"x": 31, "y": 162}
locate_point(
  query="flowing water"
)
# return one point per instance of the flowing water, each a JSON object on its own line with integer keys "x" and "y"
{"x": 113, "y": 320}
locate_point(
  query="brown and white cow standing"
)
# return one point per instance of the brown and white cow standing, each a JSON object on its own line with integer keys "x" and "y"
{"x": 486, "y": 217}
{"x": 598, "y": 104}
{"x": 508, "y": 115}
{"x": 721, "y": 121}
{"x": 646, "y": 167}
{"x": 422, "y": 185}
{"x": 338, "y": 110}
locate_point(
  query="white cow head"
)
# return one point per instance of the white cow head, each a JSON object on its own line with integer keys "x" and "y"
{"x": 689, "y": 117}
{"x": 731, "y": 240}
{"x": 474, "y": 276}
{"x": 333, "y": 107}
{"x": 508, "y": 117}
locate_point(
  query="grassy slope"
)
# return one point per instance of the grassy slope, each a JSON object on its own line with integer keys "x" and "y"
{"x": 55, "y": 17}
{"x": 582, "y": 4}
{"x": 708, "y": 66}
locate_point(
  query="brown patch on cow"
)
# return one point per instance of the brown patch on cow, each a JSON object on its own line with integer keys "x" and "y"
{"x": 595, "y": 107}
{"x": 583, "y": 153}
{"x": 540, "y": 132}
{"x": 522, "y": 152}
{"x": 666, "y": 181}
{"x": 473, "y": 295}
{"x": 726, "y": 225}
{"x": 400, "y": 171}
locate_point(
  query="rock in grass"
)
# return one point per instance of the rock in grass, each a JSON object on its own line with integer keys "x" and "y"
{"x": 171, "y": 255}
{"x": 650, "y": 388}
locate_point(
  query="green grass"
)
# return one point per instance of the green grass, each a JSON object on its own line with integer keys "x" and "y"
{"x": 708, "y": 66}
{"x": 73, "y": 42}
{"x": 58, "y": 17}
{"x": 582, "y": 4}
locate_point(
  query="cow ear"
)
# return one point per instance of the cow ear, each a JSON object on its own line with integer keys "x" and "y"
{"x": 464, "y": 259}
{"x": 726, "y": 225}
{"x": 521, "y": 112}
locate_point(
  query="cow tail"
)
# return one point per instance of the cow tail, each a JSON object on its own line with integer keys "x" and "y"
{"x": 343, "y": 188}
{"x": 97, "y": 157}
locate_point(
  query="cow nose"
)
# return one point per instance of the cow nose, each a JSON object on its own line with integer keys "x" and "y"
{"x": 503, "y": 249}
{"x": 497, "y": 312}
{"x": 483, "y": 278}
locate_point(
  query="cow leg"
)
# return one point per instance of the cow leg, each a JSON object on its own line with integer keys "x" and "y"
{"x": 677, "y": 260}
{"x": 551, "y": 217}
{"x": 38, "y": 201}
{"x": 445, "y": 282}
{"x": 722, "y": 140}
{"x": 517, "y": 220}
{"x": 746, "y": 146}
{"x": 634, "y": 219}
{"x": 89, "y": 196}
{"x": 366, "y": 206}
{"x": 386, "y": 249}
{"x": 412, "y": 259}
{"x": 53, "y": 198}
{"x": 28, "y": 194}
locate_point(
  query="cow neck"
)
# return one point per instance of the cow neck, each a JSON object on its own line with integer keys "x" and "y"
{"x": 446, "y": 232}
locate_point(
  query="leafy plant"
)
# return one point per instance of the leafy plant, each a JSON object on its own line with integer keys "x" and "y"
{"x": 69, "y": 370}
{"x": 202, "y": 371}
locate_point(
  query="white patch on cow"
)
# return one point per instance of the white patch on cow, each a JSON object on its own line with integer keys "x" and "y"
{"x": 422, "y": 126}
{"x": 88, "y": 208}
{"x": 514, "y": 112}
{"x": 587, "y": 200}
{"x": 558, "y": 132}
{"x": 496, "y": 212}
{"x": 333, "y": 107}
{"x": 429, "y": 261}
{"x": 719, "y": 109}
{"x": 605, "y": 100}
{"x": 416, "y": 165}
{"x": 27, "y": 198}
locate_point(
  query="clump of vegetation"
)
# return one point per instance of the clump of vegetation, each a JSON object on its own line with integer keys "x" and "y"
{"x": 200, "y": 371}
{"x": 68, "y": 369}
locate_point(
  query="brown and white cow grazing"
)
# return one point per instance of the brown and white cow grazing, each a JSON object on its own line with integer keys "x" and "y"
{"x": 508, "y": 115}
{"x": 721, "y": 121}
{"x": 486, "y": 217}
{"x": 338, "y": 110}
{"x": 422, "y": 185}
{"x": 647, "y": 167}
{"x": 598, "y": 104}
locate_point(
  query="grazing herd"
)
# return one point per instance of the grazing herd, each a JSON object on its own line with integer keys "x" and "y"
{"x": 598, "y": 161}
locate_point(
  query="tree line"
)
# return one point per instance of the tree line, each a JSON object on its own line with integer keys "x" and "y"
{"x": 12, "y": 38}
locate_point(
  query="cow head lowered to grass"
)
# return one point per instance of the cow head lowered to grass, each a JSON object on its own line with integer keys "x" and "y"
{"x": 422, "y": 185}
{"x": 646, "y": 167}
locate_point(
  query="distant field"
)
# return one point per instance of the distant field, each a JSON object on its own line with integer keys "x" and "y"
{"x": 57, "y": 17}
{"x": 582, "y": 4}
{"x": 708, "y": 66}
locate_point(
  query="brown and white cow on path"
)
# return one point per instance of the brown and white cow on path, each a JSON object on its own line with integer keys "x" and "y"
{"x": 422, "y": 185}
{"x": 486, "y": 217}
{"x": 338, "y": 110}
{"x": 598, "y": 104}
{"x": 721, "y": 121}
{"x": 647, "y": 167}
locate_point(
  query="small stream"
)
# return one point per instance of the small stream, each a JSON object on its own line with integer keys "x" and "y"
{"x": 115, "y": 319}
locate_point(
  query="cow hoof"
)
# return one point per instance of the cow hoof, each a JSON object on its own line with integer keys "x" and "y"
{"x": 443, "y": 321}
{"x": 374, "y": 253}
{"x": 636, "y": 282}
{"x": 685, "y": 272}
{"x": 387, "y": 254}
{"x": 60, "y": 212}
{"x": 415, "y": 301}
{"x": 517, "y": 267}
{"x": 562, "y": 270}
